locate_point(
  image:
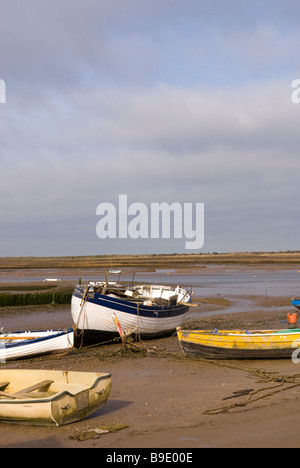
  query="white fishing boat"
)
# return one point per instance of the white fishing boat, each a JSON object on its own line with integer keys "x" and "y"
{"x": 24, "y": 344}
{"x": 51, "y": 397}
{"x": 146, "y": 311}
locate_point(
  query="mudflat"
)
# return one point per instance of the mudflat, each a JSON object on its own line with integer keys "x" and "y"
{"x": 161, "y": 399}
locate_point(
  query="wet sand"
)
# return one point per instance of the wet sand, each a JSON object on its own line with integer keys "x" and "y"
{"x": 162, "y": 398}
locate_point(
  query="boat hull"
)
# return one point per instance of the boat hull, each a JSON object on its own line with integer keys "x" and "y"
{"x": 18, "y": 345}
{"x": 239, "y": 345}
{"x": 94, "y": 320}
{"x": 296, "y": 303}
{"x": 72, "y": 396}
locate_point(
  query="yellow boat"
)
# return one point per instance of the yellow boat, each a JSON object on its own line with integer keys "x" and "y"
{"x": 238, "y": 344}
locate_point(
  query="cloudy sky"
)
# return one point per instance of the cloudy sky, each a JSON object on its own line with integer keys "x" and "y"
{"x": 185, "y": 101}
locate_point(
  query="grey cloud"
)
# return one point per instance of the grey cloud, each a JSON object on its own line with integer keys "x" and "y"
{"x": 63, "y": 44}
{"x": 124, "y": 142}
{"x": 151, "y": 99}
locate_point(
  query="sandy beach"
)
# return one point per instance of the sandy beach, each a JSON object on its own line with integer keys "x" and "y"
{"x": 160, "y": 399}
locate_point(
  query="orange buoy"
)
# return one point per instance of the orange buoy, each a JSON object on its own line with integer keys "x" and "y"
{"x": 292, "y": 318}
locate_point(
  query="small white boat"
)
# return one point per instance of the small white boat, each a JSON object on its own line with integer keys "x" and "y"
{"x": 54, "y": 280}
{"x": 146, "y": 311}
{"x": 23, "y": 344}
{"x": 51, "y": 397}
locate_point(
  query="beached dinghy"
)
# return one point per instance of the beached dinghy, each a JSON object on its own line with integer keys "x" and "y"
{"x": 51, "y": 398}
{"x": 20, "y": 345}
{"x": 147, "y": 311}
{"x": 237, "y": 344}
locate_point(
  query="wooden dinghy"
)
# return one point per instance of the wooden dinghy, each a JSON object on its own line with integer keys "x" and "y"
{"x": 25, "y": 344}
{"x": 237, "y": 344}
{"x": 51, "y": 398}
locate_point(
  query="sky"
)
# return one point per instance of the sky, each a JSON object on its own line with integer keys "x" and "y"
{"x": 165, "y": 101}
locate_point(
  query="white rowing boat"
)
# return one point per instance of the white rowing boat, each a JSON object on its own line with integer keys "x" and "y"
{"x": 24, "y": 344}
{"x": 51, "y": 397}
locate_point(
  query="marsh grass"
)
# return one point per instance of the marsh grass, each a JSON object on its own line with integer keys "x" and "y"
{"x": 150, "y": 261}
{"x": 14, "y": 299}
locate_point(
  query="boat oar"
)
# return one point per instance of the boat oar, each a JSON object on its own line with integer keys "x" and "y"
{"x": 125, "y": 336}
{"x": 12, "y": 395}
{"x": 188, "y": 304}
{"x": 19, "y": 337}
{"x": 118, "y": 325}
